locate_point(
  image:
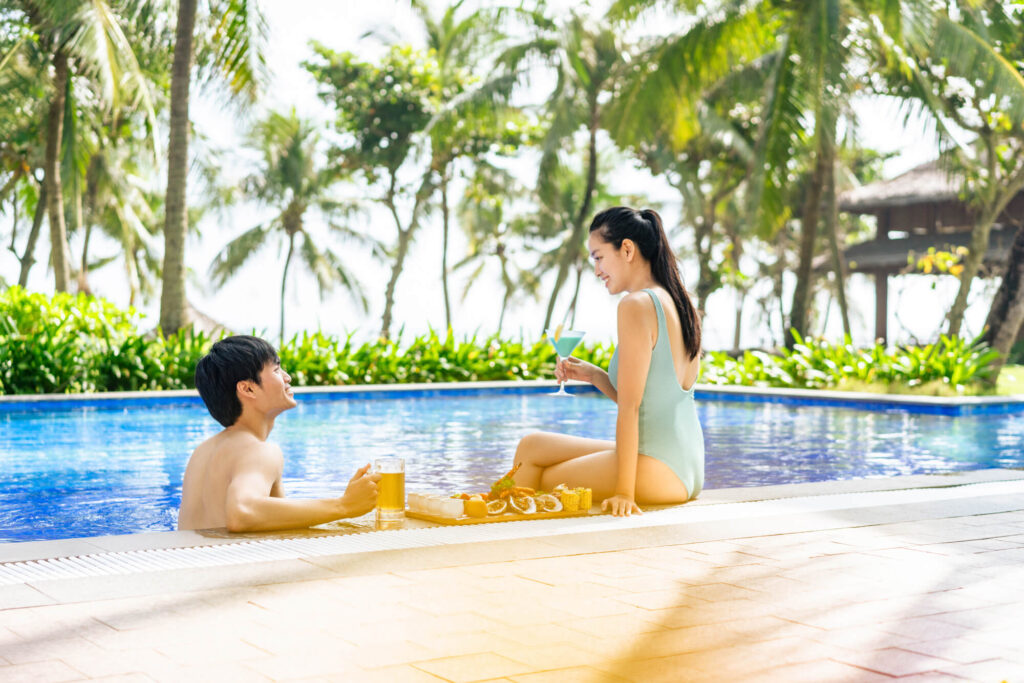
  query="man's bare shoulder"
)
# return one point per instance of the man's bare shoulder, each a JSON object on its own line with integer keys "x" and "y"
{"x": 242, "y": 444}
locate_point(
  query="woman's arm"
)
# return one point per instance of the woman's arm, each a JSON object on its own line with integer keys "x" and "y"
{"x": 635, "y": 347}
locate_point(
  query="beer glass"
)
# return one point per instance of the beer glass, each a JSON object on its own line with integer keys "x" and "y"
{"x": 390, "y": 492}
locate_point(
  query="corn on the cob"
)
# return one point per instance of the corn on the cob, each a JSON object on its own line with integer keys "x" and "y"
{"x": 570, "y": 501}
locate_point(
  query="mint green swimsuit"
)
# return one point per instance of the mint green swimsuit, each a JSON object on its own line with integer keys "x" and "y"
{"x": 669, "y": 429}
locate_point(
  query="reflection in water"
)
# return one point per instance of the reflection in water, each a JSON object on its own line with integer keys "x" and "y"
{"x": 87, "y": 471}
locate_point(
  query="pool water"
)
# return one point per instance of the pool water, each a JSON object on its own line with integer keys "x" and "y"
{"x": 89, "y": 471}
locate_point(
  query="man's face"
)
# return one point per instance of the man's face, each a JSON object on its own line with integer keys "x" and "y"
{"x": 274, "y": 392}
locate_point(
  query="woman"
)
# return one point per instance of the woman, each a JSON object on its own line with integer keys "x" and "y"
{"x": 658, "y": 453}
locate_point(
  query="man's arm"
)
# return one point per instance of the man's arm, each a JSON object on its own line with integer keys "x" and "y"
{"x": 250, "y": 505}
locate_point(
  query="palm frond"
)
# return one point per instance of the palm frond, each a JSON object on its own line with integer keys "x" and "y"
{"x": 237, "y": 252}
{"x": 970, "y": 55}
{"x": 234, "y": 52}
{"x": 329, "y": 271}
{"x": 668, "y": 81}
{"x": 781, "y": 135}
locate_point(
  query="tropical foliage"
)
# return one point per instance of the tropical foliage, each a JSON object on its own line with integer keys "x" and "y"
{"x": 817, "y": 364}
{"x": 510, "y": 125}
{"x": 77, "y": 343}
{"x": 295, "y": 183}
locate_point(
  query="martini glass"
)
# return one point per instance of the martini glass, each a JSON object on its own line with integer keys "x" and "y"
{"x": 564, "y": 346}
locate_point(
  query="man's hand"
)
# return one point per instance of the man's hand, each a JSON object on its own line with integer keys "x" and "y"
{"x": 620, "y": 506}
{"x": 361, "y": 493}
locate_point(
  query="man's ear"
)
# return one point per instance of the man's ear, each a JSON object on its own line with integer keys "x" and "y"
{"x": 245, "y": 388}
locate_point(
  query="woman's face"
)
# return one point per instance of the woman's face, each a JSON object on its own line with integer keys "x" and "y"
{"x": 610, "y": 264}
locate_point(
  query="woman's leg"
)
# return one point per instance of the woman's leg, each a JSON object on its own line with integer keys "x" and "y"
{"x": 656, "y": 483}
{"x": 542, "y": 450}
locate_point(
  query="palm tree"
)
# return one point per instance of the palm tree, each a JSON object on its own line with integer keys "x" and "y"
{"x": 817, "y": 48}
{"x": 587, "y": 62}
{"x": 83, "y": 39}
{"x": 119, "y": 202}
{"x": 230, "y": 47}
{"x": 553, "y": 232}
{"x": 494, "y": 231}
{"x": 384, "y": 129}
{"x": 479, "y": 119}
{"x": 21, "y": 142}
{"x": 112, "y": 159}
{"x": 981, "y": 91}
{"x": 290, "y": 180}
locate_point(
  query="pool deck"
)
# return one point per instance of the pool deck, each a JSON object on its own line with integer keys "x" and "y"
{"x": 917, "y": 578}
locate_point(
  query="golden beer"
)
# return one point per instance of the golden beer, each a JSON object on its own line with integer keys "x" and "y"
{"x": 391, "y": 491}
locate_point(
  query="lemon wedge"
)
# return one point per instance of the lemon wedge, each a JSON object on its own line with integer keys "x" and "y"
{"x": 558, "y": 332}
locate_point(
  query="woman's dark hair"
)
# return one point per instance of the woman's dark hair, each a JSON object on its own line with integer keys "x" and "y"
{"x": 644, "y": 228}
{"x": 230, "y": 361}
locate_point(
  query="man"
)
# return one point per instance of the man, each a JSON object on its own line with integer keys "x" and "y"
{"x": 233, "y": 479}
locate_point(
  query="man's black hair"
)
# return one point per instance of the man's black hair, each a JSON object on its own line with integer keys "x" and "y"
{"x": 230, "y": 361}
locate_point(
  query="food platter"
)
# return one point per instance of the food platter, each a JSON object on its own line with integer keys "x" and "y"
{"x": 505, "y": 502}
{"x": 505, "y": 517}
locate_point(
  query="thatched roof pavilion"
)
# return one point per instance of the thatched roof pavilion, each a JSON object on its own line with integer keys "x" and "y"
{"x": 918, "y": 210}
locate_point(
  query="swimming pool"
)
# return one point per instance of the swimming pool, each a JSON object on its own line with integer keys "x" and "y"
{"x": 70, "y": 470}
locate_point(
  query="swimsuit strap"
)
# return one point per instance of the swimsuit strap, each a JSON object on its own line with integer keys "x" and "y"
{"x": 665, "y": 357}
{"x": 662, "y": 324}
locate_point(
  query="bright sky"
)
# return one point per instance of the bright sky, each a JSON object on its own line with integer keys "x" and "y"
{"x": 252, "y": 299}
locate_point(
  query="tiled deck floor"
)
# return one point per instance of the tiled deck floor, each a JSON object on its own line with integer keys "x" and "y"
{"x": 918, "y": 591}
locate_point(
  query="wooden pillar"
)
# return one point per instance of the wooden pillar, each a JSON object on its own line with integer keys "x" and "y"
{"x": 881, "y": 306}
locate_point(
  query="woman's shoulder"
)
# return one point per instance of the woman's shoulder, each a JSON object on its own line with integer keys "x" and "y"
{"x": 639, "y": 300}
{"x": 637, "y": 308}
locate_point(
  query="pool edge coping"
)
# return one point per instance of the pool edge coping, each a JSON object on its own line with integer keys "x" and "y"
{"x": 770, "y": 394}
{"x": 159, "y": 540}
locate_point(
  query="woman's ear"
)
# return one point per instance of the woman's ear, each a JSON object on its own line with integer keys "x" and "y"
{"x": 628, "y": 249}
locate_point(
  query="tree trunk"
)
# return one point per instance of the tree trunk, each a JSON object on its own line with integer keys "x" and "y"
{"x": 444, "y": 252}
{"x": 396, "y": 267}
{"x": 1000, "y": 328}
{"x": 131, "y": 270}
{"x": 404, "y": 239}
{"x": 575, "y": 298}
{"x": 60, "y": 255}
{"x": 777, "y": 270}
{"x": 284, "y": 281}
{"x": 735, "y": 254}
{"x": 740, "y": 296}
{"x": 1002, "y": 194}
{"x": 504, "y": 307}
{"x": 1006, "y": 318}
{"x": 702, "y": 244}
{"x": 28, "y": 259}
{"x": 980, "y": 233}
{"x": 506, "y": 281}
{"x": 173, "y": 306}
{"x": 799, "y": 312}
{"x": 576, "y": 236}
{"x": 83, "y": 272}
{"x": 832, "y": 230}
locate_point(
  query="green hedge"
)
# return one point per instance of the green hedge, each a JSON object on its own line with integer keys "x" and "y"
{"x": 72, "y": 344}
{"x": 958, "y": 364}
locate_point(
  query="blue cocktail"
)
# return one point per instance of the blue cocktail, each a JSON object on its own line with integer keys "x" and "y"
{"x": 565, "y": 342}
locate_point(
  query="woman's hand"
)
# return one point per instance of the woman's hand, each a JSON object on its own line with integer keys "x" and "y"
{"x": 574, "y": 368}
{"x": 620, "y": 506}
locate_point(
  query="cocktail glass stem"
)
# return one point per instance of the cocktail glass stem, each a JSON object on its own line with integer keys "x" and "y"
{"x": 561, "y": 385}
